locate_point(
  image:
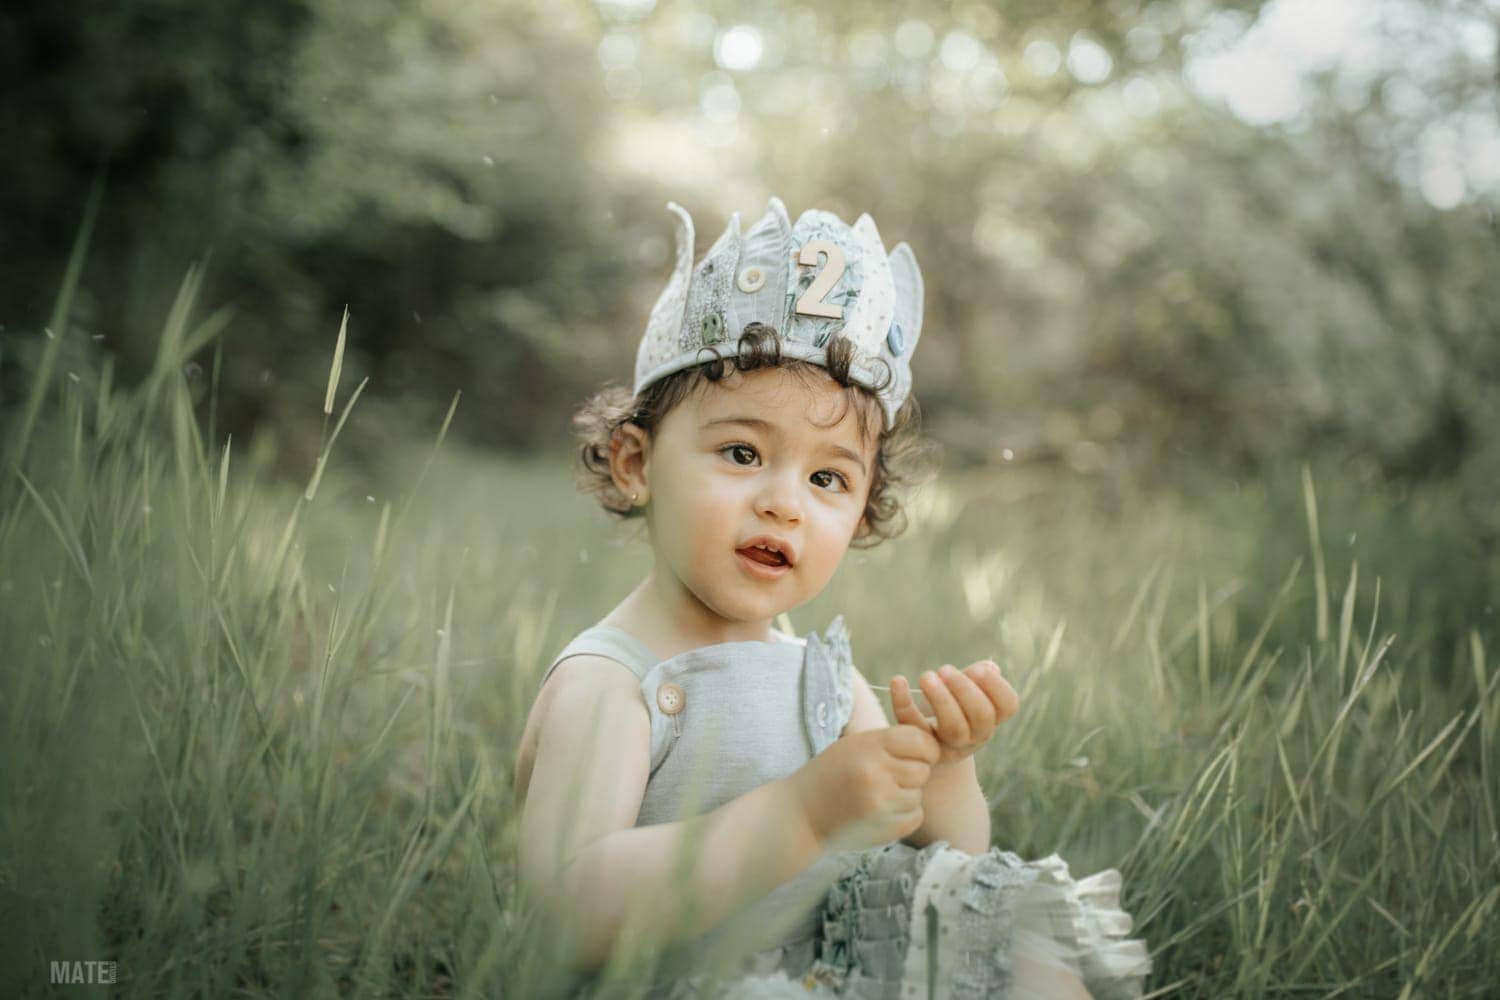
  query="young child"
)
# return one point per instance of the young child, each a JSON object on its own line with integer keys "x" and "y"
{"x": 694, "y": 777}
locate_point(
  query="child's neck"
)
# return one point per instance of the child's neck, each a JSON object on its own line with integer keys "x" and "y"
{"x": 666, "y": 616}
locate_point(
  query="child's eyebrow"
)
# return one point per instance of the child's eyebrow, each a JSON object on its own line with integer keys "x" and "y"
{"x": 766, "y": 427}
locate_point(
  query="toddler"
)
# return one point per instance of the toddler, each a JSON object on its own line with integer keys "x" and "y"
{"x": 692, "y": 776}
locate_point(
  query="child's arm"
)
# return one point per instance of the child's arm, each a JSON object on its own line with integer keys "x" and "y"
{"x": 586, "y": 863}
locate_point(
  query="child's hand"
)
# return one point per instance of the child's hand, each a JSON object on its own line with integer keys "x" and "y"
{"x": 866, "y": 788}
{"x": 969, "y": 705}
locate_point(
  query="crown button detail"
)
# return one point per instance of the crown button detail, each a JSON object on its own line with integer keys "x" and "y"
{"x": 894, "y": 339}
{"x": 713, "y": 328}
{"x": 670, "y": 698}
{"x": 751, "y": 279}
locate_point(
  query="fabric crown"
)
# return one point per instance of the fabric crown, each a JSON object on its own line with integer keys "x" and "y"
{"x": 807, "y": 282}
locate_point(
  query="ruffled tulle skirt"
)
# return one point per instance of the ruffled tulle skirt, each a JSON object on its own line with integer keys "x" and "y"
{"x": 900, "y": 922}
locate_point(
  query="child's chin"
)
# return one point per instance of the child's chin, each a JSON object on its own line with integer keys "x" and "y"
{"x": 743, "y": 607}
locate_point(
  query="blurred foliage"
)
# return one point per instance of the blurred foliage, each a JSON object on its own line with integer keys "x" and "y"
{"x": 1121, "y": 279}
{"x": 421, "y": 162}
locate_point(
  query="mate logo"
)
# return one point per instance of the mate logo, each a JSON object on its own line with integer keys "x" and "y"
{"x": 81, "y": 973}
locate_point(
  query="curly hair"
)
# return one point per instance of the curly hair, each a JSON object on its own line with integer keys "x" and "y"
{"x": 903, "y": 458}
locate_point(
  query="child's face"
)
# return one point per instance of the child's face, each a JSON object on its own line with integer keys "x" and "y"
{"x": 743, "y": 459}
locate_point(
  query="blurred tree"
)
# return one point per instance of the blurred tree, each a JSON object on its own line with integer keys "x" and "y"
{"x": 1119, "y": 276}
{"x": 162, "y": 94}
{"x": 426, "y": 163}
{"x": 450, "y": 199}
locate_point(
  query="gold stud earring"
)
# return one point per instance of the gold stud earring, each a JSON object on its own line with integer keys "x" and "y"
{"x": 633, "y": 498}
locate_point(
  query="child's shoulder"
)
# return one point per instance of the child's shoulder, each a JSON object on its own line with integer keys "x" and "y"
{"x": 585, "y": 685}
{"x": 612, "y": 643}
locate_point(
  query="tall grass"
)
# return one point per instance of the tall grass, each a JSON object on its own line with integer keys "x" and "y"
{"x": 257, "y": 736}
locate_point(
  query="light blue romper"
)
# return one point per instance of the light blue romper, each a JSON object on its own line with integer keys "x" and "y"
{"x": 730, "y": 717}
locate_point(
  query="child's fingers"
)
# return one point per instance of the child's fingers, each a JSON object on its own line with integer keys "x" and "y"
{"x": 952, "y": 726}
{"x": 905, "y": 708}
{"x": 987, "y": 675}
{"x": 974, "y": 702}
{"x": 912, "y": 773}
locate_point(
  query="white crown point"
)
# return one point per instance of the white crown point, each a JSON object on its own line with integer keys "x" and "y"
{"x": 865, "y": 226}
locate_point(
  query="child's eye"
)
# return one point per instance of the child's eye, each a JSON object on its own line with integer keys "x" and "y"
{"x": 735, "y": 450}
{"x": 843, "y": 483}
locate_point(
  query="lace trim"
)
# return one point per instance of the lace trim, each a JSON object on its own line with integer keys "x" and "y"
{"x": 833, "y": 651}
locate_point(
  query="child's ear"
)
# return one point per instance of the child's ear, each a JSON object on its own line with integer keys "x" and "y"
{"x": 629, "y": 459}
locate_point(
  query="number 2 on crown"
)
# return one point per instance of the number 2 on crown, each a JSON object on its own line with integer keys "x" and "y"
{"x": 811, "y": 302}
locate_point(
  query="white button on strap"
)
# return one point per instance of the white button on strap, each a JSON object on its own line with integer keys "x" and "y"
{"x": 751, "y": 279}
{"x": 670, "y": 698}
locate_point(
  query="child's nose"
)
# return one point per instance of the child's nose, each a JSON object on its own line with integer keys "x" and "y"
{"x": 778, "y": 498}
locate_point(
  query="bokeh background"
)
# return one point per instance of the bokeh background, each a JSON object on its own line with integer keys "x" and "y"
{"x": 1210, "y": 349}
{"x": 1160, "y": 237}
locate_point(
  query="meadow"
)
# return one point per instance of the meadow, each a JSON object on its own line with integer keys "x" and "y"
{"x": 258, "y": 736}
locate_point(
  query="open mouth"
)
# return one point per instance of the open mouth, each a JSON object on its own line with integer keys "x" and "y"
{"x": 765, "y": 557}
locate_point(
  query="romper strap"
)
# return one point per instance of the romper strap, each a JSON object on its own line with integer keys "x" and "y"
{"x": 611, "y": 643}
